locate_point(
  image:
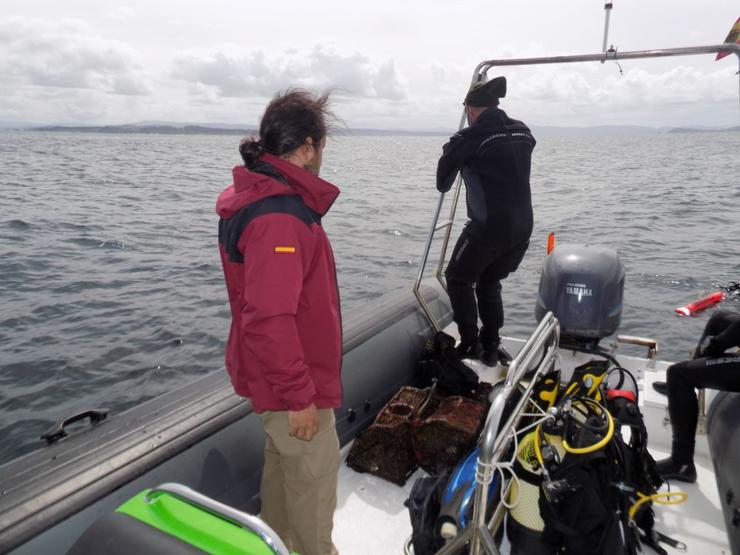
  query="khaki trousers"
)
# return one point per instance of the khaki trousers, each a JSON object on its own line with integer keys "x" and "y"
{"x": 299, "y": 483}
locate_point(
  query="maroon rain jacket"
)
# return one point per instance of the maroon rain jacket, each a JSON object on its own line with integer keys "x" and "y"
{"x": 284, "y": 349}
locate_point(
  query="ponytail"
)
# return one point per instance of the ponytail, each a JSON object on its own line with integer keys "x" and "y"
{"x": 251, "y": 149}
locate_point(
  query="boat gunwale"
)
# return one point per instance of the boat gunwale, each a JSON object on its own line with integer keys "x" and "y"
{"x": 44, "y": 487}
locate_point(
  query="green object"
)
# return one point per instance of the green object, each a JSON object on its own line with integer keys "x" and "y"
{"x": 193, "y": 525}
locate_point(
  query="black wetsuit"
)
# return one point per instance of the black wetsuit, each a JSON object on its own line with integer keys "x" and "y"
{"x": 494, "y": 155}
{"x": 717, "y": 370}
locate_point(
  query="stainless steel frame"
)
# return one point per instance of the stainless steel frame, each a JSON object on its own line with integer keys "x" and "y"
{"x": 544, "y": 340}
{"x": 480, "y": 73}
{"x": 239, "y": 518}
{"x": 479, "y": 533}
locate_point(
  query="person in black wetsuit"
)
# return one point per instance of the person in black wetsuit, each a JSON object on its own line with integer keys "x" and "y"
{"x": 494, "y": 155}
{"x": 714, "y": 368}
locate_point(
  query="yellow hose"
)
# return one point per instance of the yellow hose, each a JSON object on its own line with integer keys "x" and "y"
{"x": 659, "y": 498}
{"x": 596, "y": 446}
{"x": 537, "y": 452}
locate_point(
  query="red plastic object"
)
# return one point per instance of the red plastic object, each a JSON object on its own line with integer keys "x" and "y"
{"x": 612, "y": 394}
{"x": 700, "y": 304}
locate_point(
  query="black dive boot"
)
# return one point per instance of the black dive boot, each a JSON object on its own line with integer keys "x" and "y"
{"x": 489, "y": 357}
{"x": 672, "y": 470}
{"x": 504, "y": 358}
{"x": 493, "y": 354}
{"x": 469, "y": 349}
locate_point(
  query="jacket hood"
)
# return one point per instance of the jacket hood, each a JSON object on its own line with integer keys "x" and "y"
{"x": 495, "y": 117}
{"x": 250, "y": 186}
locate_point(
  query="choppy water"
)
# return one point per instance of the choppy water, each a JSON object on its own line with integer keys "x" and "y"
{"x": 111, "y": 289}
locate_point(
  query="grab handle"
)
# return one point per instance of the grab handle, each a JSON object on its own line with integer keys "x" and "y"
{"x": 57, "y": 431}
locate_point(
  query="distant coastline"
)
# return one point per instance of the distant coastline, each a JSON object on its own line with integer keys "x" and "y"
{"x": 208, "y": 130}
{"x": 690, "y": 130}
{"x": 146, "y": 129}
{"x": 220, "y": 129}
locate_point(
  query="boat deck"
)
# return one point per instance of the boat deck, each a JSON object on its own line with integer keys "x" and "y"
{"x": 371, "y": 517}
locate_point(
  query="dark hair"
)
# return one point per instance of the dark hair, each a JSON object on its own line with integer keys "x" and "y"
{"x": 288, "y": 120}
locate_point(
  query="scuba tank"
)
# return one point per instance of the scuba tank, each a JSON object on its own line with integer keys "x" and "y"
{"x": 579, "y": 428}
{"x": 457, "y": 499}
{"x": 456, "y": 503}
{"x": 524, "y": 525}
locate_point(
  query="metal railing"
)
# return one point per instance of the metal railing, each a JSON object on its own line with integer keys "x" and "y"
{"x": 479, "y": 74}
{"x": 495, "y": 439}
{"x": 250, "y": 522}
{"x": 479, "y": 533}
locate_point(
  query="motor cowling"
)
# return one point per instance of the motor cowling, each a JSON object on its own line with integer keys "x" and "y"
{"x": 583, "y": 287}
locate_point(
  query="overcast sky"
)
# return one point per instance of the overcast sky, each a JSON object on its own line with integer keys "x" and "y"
{"x": 401, "y": 64}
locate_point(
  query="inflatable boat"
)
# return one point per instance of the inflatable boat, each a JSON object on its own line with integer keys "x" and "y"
{"x": 201, "y": 446}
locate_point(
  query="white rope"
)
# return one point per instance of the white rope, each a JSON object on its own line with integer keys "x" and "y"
{"x": 485, "y": 472}
{"x": 509, "y": 466}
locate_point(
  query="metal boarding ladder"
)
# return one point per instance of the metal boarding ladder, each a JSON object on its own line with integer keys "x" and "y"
{"x": 437, "y": 226}
{"x": 480, "y": 74}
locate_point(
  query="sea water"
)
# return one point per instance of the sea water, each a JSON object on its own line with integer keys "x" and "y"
{"x": 111, "y": 289}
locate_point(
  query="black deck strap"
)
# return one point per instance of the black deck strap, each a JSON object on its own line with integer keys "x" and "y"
{"x": 120, "y": 534}
{"x": 656, "y": 538}
{"x": 669, "y": 541}
{"x": 652, "y": 542}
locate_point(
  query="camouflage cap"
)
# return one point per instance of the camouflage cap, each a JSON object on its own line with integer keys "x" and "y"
{"x": 485, "y": 94}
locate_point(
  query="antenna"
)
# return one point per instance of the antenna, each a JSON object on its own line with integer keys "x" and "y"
{"x": 607, "y": 10}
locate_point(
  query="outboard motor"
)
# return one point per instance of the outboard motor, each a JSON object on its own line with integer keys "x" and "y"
{"x": 583, "y": 287}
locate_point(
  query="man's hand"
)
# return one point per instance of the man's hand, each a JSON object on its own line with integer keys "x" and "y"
{"x": 303, "y": 424}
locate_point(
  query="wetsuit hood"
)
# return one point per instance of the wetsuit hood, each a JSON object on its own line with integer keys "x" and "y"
{"x": 496, "y": 117}
{"x": 275, "y": 176}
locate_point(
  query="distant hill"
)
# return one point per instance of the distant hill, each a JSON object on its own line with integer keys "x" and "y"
{"x": 395, "y": 132}
{"x": 212, "y": 129}
{"x": 148, "y": 129}
{"x": 225, "y": 129}
{"x": 692, "y": 130}
{"x": 596, "y": 130}
{"x": 15, "y": 125}
{"x": 172, "y": 128}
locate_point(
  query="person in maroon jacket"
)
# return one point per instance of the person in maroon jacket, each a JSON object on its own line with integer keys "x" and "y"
{"x": 284, "y": 350}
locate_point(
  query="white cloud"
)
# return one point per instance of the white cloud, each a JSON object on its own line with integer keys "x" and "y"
{"x": 593, "y": 94}
{"x": 120, "y": 14}
{"x": 66, "y": 54}
{"x": 256, "y": 74}
{"x": 391, "y": 65}
{"x": 58, "y": 106}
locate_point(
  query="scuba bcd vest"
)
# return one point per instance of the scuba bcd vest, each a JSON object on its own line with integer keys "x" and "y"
{"x": 589, "y": 477}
